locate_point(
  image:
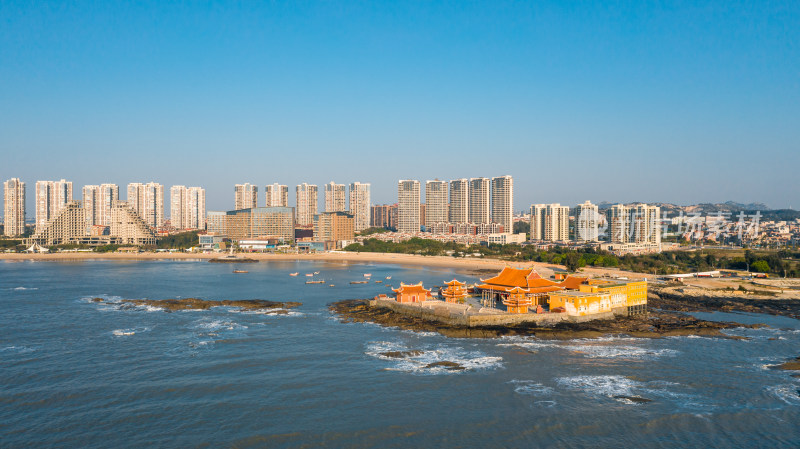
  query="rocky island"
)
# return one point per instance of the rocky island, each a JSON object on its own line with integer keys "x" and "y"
{"x": 171, "y": 305}
{"x": 653, "y": 325}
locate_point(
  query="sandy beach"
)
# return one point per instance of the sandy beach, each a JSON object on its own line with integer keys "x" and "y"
{"x": 468, "y": 264}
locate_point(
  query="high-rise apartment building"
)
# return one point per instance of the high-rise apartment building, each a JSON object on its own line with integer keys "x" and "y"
{"x": 335, "y": 197}
{"x": 147, "y": 200}
{"x": 51, "y": 197}
{"x": 587, "y": 222}
{"x": 550, "y": 222}
{"x": 503, "y": 202}
{"x": 187, "y": 207}
{"x": 459, "y": 201}
{"x": 98, "y": 201}
{"x": 334, "y": 227}
{"x": 384, "y": 216}
{"x": 408, "y": 206}
{"x": 360, "y": 205}
{"x": 479, "y": 198}
{"x": 306, "y": 204}
{"x": 436, "y": 210}
{"x": 245, "y": 196}
{"x": 277, "y": 195}
{"x": 638, "y": 223}
{"x": 14, "y": 207}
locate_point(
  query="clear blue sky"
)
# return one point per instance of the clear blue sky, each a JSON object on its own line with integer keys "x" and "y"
{"x": 680, "y": 102}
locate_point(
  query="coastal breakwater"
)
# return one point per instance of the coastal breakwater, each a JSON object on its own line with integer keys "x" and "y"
{"x": 445, "y": 320}
{"x": 467, "y": 316}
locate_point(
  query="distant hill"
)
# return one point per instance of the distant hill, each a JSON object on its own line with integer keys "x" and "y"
{"x": 732, "y": 207}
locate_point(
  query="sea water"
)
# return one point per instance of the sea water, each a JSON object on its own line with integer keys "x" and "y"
{"x": 80, "y": 373}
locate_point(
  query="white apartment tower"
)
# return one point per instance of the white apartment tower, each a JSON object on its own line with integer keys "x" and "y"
{"x": 619, "y": 224}
{"x": 435, "y": 203}
{"x": 245, "y": 196}
{"x": 51, "y": 197}
{"x": 98, "y": 201}
{"x": 277, "y": 195}
{"x": 459, "y": 201}
{"x": 550, "y": 222}
{"x": 479, "y": 197}
{"x": 306, "y": 204}
{"x": 587, "y": 223}
{"x": 360, "y": 204}
{"x": 14, "y": 207}
{"x": 147, "y": 200}
{"x": 503, "y": 202}
{"x": 187, "y": 207}
{"x": 408, "y": 206}
{"x": 638, "y": 223}
{"x": 537, "y": 221}
{"x": 335, "y": 197}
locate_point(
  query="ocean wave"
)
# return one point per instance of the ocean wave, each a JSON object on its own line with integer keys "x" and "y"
{"x": 432, "y": 360}
{"x": 18, "y": 349}
{"x": 530, "y": 387}
{"x": 621, "y": 352}
{"x": 218, "y": 325}
{"x": 788, "y": 393}
{"x": 609, "y": 386}
{"x": 19, "y": 289}
{"x": 128, "y": 332}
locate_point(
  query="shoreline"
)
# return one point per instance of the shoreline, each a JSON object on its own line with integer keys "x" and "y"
{"x": 461, "y": 264}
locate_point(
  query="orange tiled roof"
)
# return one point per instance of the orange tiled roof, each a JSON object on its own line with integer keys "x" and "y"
{"x": 513, "y": 277}
{"x": 572, "y": 282}
{"x": 416, "y": 288}
{"x": 455, "y": 282}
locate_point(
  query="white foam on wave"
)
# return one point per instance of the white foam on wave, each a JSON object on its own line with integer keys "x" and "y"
{"x": 609, "y": 386}
{"x": 621, "y": 352}
{"x": 219, "y": 325}
{"x": 530, "y": 344}
{"x": 271, "y": 312}
{"x": 788, "y": 393}
{"x": 530, "y": 387}
{"x": 18, "y": 349}
{"x": 19, "y": 289}
{"x": 420, "y": 364}
{"x": 128, "y": 332}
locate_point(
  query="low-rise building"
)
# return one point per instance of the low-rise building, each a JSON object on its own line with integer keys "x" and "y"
{"x": 580, "y": 303}
{"x": 411, "y": 293}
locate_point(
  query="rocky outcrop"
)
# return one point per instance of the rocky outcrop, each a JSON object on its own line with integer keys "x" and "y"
{"x": 402, "y": 354}
{"x": 692, "y": 300}
{"x": 791, "y": 365}
{"x": 446, "y": 364}
{"x": 202, "y": 304}
{"x": 655, "y": 325}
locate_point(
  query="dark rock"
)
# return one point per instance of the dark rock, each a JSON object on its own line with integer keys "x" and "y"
{"x": 452, "y": 366}
{"x": 402, "y": 354}
{"x": 792, "y": 365}
{"x": 634, "y": 399}
{"x": 97, "y": 299}
{"x": 201, "y": 304}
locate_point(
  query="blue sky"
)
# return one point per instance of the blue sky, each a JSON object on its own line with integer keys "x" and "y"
{"x": 680, "y": 102}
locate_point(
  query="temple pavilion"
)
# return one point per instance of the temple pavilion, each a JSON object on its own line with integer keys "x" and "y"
{"x": 411, "y": 293}
{"x": 454, "y": 292}
{"x": 525, "y": 282}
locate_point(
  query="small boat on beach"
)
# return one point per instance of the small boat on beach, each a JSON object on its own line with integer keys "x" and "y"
{"x": 358, "y": 282}
{"x": 240, "y": 271}
{"x": 379, "y": 282}
{"x": 316, "y": 272}
{"x": 309, "y": 274}
{"x": 316, "y": 282}
{"x": 388, "y": 277}
{"x": 366, "y": 275}
{"x": 293, "y": 274}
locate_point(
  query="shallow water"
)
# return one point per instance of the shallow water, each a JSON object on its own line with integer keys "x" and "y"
{"x": 74, "y": 373}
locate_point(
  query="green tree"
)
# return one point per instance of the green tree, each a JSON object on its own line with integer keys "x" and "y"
{"x": 572, "y": 261}
{"x": 760, "y": 266}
